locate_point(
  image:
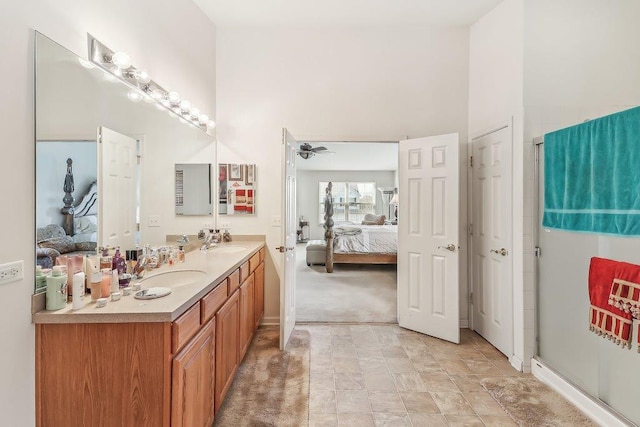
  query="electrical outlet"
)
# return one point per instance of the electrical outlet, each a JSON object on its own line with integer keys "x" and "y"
{"x": 276, "y": 221}
{"x": 153, "y": 221}
{"x": 11, "y": 272}
{"x": 225, "y": 225}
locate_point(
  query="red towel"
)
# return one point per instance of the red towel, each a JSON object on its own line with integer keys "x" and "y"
{"x": 606, "y": 319}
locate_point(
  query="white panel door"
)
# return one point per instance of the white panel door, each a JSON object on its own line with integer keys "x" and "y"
{"x": 492, "y": 287}
{"x": 428, "y": 224}
{"x": 117, "y": 163}
{"x": 287, "y": 287}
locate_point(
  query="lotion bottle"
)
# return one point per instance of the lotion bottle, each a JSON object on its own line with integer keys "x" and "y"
{"x": 57, "y": 289}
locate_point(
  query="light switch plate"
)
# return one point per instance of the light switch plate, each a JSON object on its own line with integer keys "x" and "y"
{"x": 153, "y": 220}
{"x": 276, "y": 221}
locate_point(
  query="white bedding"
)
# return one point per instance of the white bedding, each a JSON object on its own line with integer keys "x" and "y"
{"x": 382, "y": 239}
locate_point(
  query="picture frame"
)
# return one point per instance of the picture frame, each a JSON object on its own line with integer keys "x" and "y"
{"x": 235, "y": 172}
{"x": 250, "y": 175}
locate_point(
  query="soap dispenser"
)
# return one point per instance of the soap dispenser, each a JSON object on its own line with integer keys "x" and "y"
{"x": 56, "y": 289}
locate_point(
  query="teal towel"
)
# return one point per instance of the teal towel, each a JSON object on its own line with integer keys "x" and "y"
{"x": 592, "y": 176}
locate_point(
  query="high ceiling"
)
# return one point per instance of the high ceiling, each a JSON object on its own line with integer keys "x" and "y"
{"x": 332, "y": 13}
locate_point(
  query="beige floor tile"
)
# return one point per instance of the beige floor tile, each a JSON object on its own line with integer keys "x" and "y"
{"x": 467, "y": 383}
{"x": 400, "y": 365}
{"x": 483, "y": 404}
{"x": 409, "y": 382}
{"x": 349, "y": 382}
{"x": 383, "y": 419}
{"x": 483, "y": 367}
{"x": 427, "y": 366}
{"x": 321, "y": 381}
{"x": 428, "y": 420}
{"x": 343, "y": 330}
{"x": 491, "y": 353}
{"x": 444, "y": 353}
{"x": 356, "y": 420}
{"x": 323, "y": 420}
{"x": 343, "y": 350}
{"x": 352, "y": 401}
{"x": 379, "y": 381}
{"x": 418, "y": 352}
{"x": 387, "y": 340}
{"x": 506, "y": 368}
{"x": 471, "y": 353}
{"x": 386, "y": 402}
{"x": 498, "y": 421}
{"x": 395, "y": 351}
{"x": 373, "y": 364}
{"x": 454, "y": 367}
{"x": 452, "y": 403}
{"x": 413, "y": 340}
{"x": 464, "y": 421}
{"x": 322, "y": 402}
{"x": 346, "y": 365}
{"x": 321, "y": 364}
{"x": 438, "y": 382}
{"x": 420, "y": 402}
{"x": 360, "y": 329}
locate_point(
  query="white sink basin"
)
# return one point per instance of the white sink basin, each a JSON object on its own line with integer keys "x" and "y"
{"x": 228, "y": 249}
{"x": 173, "y": 278}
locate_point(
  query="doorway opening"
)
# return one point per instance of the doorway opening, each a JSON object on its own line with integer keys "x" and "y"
{"x": 364, "y": 177}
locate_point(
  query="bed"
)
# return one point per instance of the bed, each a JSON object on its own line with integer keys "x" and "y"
{"x": 373, "y": 242}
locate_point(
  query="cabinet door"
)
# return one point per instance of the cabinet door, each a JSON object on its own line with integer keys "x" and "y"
{"x": 193, "y": 387}
{"x": 227, "y": 345}
{"x": 247, "y": 319}
{"x": 259, "y": 294}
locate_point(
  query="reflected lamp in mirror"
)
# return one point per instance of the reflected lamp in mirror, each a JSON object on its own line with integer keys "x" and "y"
{"x": 193, "y": 189}
{"x": 236, "y": 189}
{"x": 394, "y": 204}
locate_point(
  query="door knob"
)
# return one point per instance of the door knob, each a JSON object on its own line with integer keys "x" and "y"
{"x": 501, "y": 251}
{"x": 450, "y": 247}
{"x": 283, "y": 249}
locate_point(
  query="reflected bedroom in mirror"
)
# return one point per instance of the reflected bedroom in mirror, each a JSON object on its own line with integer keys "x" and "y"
{"x": 94, "y": 136}
{"x": 236, "y": 189}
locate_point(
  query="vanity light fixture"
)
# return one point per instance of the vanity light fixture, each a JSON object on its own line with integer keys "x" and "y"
{"x": 118, "y": 66}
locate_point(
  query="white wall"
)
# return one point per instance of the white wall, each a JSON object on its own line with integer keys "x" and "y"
{"x": 173, "y": 40}
{"x": 333, "y": 84}
{"x": 496, "y": 98}
{"x": 308, "y": 196}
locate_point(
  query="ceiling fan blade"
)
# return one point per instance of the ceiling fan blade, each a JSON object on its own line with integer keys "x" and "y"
{"x": 318, "y": 149}
{"x": 325, "y": 152}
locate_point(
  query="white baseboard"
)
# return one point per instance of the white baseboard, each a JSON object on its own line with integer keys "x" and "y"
{"x": 464, "y": 323}
{"x": 270, "y": 321}
{"x": 592, "y": 408}
{"x": 517, "y": 363}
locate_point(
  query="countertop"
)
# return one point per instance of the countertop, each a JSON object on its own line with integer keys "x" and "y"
{"x": 216, "y": 266}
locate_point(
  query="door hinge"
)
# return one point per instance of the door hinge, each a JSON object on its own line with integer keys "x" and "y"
{"x": 471, "y": 161}
{"x": 471, "y": 298}
{"x": 470, "y": 229}
{"x": 537, "y": 252}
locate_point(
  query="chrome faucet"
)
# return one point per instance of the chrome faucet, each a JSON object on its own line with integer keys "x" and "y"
{"x": 207, "y": 242}
{"x": 183, "y": 240}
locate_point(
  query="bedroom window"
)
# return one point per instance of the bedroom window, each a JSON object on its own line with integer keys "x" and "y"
{"x": 351, "y": 200}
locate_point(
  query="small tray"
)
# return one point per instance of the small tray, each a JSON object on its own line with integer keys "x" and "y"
{"x": 152, "y": 293}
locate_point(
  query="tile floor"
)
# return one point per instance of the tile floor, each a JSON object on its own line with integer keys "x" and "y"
{"x": 383, "y": 375}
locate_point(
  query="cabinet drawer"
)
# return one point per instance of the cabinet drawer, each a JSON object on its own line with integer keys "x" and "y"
{"x": 262, "y": 253}
{"x": 211, "y": 302}
{"x": 244, "y": 272}
{"x": 233, "y": 282}
{"x": 185, "y": 327}
{"x": 254, "y": 261}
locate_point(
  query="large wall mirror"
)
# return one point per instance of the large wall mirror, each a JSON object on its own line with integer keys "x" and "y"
{"x": 105, "y": 160}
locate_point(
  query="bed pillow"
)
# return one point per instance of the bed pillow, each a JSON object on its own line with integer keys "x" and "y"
{"x": 61, "y": 244}
{"x": 89, "y": 203}
{"x": 371, "y": 219}
{"x": 86, "y": 224}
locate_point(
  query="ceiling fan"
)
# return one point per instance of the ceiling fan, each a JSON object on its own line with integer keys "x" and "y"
{"x": 306, "y": 151}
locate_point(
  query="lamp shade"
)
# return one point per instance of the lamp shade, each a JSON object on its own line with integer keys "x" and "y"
{"x": 394, "y": 200}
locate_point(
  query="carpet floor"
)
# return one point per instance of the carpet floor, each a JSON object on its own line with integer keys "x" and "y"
{"x": 352, "y": 293}
{"x": 271, "y": 388}
{"x": 531, "y": 403}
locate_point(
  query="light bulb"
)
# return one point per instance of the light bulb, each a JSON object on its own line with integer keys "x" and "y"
{"x": 121, "y": 60}
{"x": 174, "y": 97}
{"x": 176, "y": 110}
{"x": 148, "y": 99}
{"x": 195, "y": 112}
{"x": 160, "y": 107}
{"x": 211, "y": 124}
{"x": 143, "y": 77}
{"x": 117, "y": 71}
{"x": 134, "y": 96}
{"x": 166, "y": 103}
{"x": 156, "y": 95}
{"x": 86, "y": 64}
{"x": 185, "y": 105}
{"x": 110, "y": 77}
{"x": 172, "y": 114}
{"x": 203, "y": 119}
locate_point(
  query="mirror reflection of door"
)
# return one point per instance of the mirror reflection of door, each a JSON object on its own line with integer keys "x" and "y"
{"x": 193, "y": 189}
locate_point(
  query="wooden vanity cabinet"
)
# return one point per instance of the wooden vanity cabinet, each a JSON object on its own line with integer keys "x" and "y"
{"x": 259, "y": 294}
{"x": 193, "y": 382}
{"x": 227, "y": 346}
{"x": 247, "y": 315}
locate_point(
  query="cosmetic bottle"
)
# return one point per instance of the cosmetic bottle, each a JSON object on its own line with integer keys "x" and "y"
{"x": 180, "y": 254}
{"x": 226, "y": 236}
{"x": 217, "y": 237}
{"x": 91, "y": 265}
{"x": 78, "y": 291}
{"x": 105, "y": 260}
{"x": 105, "y": 283}
{"x": 115, "y": 282}
{"x": 56, "y": 289}
{"x": 96, "y": 284}
{"x": 118, "y": 263}
{"x": 41, "y": 279}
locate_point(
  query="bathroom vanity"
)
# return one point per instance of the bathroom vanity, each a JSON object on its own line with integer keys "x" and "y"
{"x": 163, "y": 362}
